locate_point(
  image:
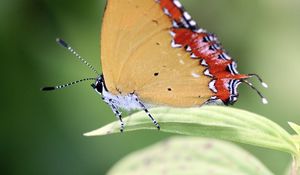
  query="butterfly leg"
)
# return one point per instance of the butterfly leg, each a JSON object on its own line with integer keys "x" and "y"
{"x": 148, "y": 113}
{"x": 109, "y": 101}
{"x": 117, "y": 114}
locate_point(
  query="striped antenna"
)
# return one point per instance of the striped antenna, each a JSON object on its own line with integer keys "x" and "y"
{"x": 51, "y": 88}
{"x": 67, "y": 46}
{"x": 263, "y": 99}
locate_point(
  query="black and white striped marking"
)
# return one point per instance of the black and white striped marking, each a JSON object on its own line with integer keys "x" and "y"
{"x": 210, "y": 37}
{"x": 188, "y": 49}
{"x": 203, "y": 62}
{"x": 232, "y": 86}
{"x": 187, "y": 16}
{"x": 172, "y": 33}
{"x": 224, "y": 56}
{"x": 193, "y": 55}
{"x": 166, "y": 11}
{"x": 212, "y": 86}
{"x": 232, "y": 68}
{"x": 186, "y": 20}
{"x": 207, "y": 73}
{"x": 215, "y": 47}
{"x": 174, "y": 45}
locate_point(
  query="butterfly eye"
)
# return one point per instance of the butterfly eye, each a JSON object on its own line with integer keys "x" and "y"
{"x": 98, "y": 87}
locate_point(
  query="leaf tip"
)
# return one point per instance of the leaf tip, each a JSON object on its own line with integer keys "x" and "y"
{"x": 93, "y": 133}
{"x": 290, "y": 123}
{"x": 295, "y": 127}
{"x": 88, "y": 134}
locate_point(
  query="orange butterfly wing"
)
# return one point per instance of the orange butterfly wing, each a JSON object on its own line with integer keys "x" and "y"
{"x": 137, "y": 56}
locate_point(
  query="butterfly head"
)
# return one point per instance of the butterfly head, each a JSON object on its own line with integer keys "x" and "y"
{"x": 99, "y": 85}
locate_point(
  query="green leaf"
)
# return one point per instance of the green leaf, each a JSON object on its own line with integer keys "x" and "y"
{"x": 296, "y": 138}
{"x": 190, "y": 155}
{"x": 211, "y": 121}
{"x": 295, "y": 127}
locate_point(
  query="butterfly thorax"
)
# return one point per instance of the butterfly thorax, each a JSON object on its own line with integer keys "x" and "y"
{"x": 124, "y": 101}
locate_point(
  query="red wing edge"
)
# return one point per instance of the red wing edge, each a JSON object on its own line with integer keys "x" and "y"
{"x": 206, "y": 47}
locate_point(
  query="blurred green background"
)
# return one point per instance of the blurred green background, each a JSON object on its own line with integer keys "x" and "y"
{"x": 42, "y": 132}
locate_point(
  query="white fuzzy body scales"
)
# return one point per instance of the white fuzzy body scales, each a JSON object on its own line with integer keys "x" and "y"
{"x": 127, "y": 102}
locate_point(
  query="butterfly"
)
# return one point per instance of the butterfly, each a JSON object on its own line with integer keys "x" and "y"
{"x": 154, "y": 54}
